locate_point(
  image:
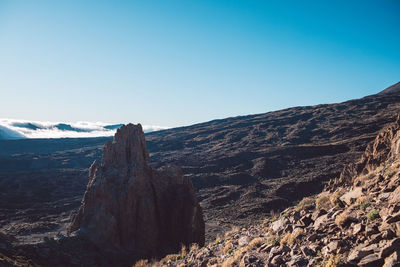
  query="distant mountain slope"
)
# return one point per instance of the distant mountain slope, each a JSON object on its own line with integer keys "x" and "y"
{"x": 246, "y": 166}
{"x": 392, "y": 89}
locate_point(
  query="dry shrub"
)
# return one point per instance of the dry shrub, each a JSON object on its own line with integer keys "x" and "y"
{"x": 396, "y": 164}
{"x": 342, "y": 219}
{"x": 296, "y": 233}
{"x": 333, "y": 260}
{"x": 170, "y": 257}
{"x": 323, "y": 202}
{"x": 183, "y": 252}
{"x": 228, "y": 247}
{"x": 237, "y": 256}
{"x": 285, "y": 239}
{"x": 141, "y": 263}
{"x": 233, "y": 231}
{"x": 218, "y": 239}
{"x": 335, "y": 197}
{"x": 362, "y": 199}
{"x": 175, "y": 257}
{"x": 272, "y": 240}
{"x": 389, "y": 173}
{"x": 256, "y": 242}
{"x": 305, "y": 203}
{"x": 194, "y": 248}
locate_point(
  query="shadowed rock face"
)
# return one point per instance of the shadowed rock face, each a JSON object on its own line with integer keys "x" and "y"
{"x": 132, "y": 208}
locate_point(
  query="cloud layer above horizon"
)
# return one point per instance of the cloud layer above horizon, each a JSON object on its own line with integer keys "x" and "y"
{"x": 20, "y": 129}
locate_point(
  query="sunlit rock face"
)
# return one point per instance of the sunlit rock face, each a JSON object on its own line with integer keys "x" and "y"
{"x": 132, "y": 208}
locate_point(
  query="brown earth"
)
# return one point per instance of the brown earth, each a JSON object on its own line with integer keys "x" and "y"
{"x": 241, "y": 167}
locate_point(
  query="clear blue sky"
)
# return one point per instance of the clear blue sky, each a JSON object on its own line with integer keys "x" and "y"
{"x": 178, "y": 62}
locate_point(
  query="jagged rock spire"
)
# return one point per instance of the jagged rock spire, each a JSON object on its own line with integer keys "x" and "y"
{"x": 130, "y": 207}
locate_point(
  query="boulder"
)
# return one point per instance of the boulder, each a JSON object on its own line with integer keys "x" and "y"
{"x": 130, "y": 207}
{"x": 351, "y": 196}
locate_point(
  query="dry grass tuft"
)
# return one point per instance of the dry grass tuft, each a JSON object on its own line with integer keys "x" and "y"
{"x": 141, "y": 263}
{"x": 233, "y": 231}
{"x": 237, "y": 256}
{"x": 342, "y": 219}
{"x": 296, "y": 233}
{"x": 286, "y": 238}
{"x": 305, "y": 203}
{"x": 169, "y": 258}
{"x": 335, "y": 197}
{"x": 323, "y": 202}
{"x": 362, "y": 200}
{"x": 256, "y": 242}
{"x": 333, "y": 260}
{"x": 389, "y": 173}
{"x": 217, "y": 239}
{"x": 228, "y": 247}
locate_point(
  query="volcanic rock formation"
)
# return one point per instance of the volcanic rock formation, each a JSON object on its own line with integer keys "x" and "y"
{"x": 129, "y": 207}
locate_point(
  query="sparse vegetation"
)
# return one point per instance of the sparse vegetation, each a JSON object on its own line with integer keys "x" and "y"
{"x": 233, "y": 231}
{"x": 228, "y": 247}
{"x": 274, "y": 215}
{"x": 290, "y": 238}
{"x": 333, "y": 260}
{"x": 365, "y": 205}
{"x": 141, "y": 263}
{"x": 373, "y": 214}
{"x": 362, "y": 200}
{"x": 305, "y": 203}
{"x": 342, "y": 219}
{"x": 273, "y": 239}
{"x": 389, "y": 173}
{"x": 285, "y": 239}
{"x": 335, "y": 198}
{"x": 323, "y": 202}
{"x": 256, "y": 242}
{"x": 217, "y": 240}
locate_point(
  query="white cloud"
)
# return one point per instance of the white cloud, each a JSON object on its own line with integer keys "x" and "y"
{"x": 45, "y": 129}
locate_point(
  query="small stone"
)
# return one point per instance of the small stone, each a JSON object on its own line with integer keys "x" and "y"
{"x": 279, "y": 224}
{"x": 351, "y": 196}
{"x": 393, "y": 218}
{"x": 312, "y": 237}
{"x": 392, "y": 260}
{"x": 318, "y": 213}
{"x": 306, "y": 220}
{"x": 320, "y": 220}
{"x": 307, "y": 251}
{"x": 298, "y": 260}
{"x": 277, "y": 260}
{"x": 333, "y": 246}
{"x": 384, "y": 196}
{"x": 243, "y": 241}
{"x": 372, "y": 260}
{"x": 358, "y": 228}
{"x": 356, "y": 254}
{"x": 389, "y": 248}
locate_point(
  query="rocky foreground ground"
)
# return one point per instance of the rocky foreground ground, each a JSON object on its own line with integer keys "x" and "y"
{"x": 355, "y": 221}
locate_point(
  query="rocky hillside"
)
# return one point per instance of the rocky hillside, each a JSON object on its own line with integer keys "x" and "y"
{"x": 243, "y": 167}
{"x": 355, "y": 221}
